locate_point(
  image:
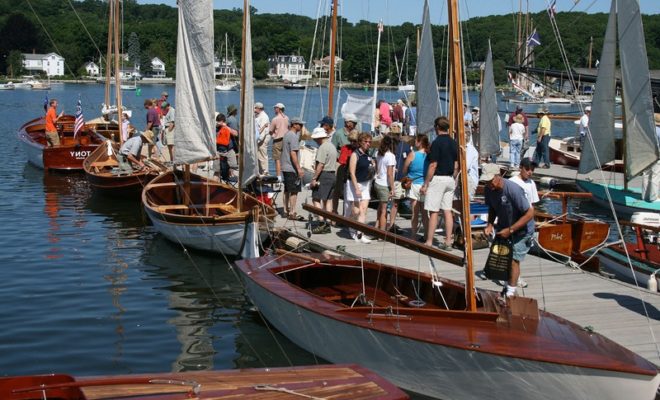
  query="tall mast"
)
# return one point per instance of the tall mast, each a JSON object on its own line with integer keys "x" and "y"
{"x": 333, "y": 47}
{"x": 456, "y": 120}
{"x": 111, "y": 9}
{"x": 117, "y": 67}
{"x": 226, "y": 62}
{"x": 591, "y": 46}
{"x": 373, "y": 109}
{"x": 241, "y": 141}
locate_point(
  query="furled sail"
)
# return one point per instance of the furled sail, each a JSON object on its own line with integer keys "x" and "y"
{"x": 426, "y": 85}
{"x": 248, "y": 155}
{"x": 601, "y": 122}
{"x": 195, "y": 95}
{"x": 641, "y": 143}
{"x": 489, "y": 127}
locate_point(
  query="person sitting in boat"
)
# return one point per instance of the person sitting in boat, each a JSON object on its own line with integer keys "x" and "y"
{"x": 52, "y": 136}
{"x": 506, "y": 201}
{"x": 129, "y": 157}
{"x": 227, "y": 166}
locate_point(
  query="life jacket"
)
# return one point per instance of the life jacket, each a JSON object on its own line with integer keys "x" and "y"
{"x": 223, "y": 139}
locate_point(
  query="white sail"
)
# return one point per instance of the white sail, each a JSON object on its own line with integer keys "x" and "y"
{"x": 195, "y": 96}
{"x": 489, "y": 121}
{"x": 248, "y": 154}
{"x": 428, "y": 102}
{"x": 641, "y": 143}
{"x": 601, "y": 122}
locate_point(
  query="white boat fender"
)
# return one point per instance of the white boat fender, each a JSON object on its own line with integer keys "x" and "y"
{"x": 652, "y": 284}
{"x": 548, "y": 181}
{"x": 109, "y": 146}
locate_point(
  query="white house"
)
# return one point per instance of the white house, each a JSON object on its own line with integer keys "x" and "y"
{"x": 92, "y": 69}
{"x": 321, "y": 68}
{"x": 50, "y": 64}
{"x": 158, "y": 68}
{"x": 288, "y": 68}
{"x": 224, "y": 68}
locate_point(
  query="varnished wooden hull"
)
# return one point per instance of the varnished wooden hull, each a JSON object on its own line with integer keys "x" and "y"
{"x": 439, "y": 352}
{"x": 98, "y": 170}
{"x": 341, "y": 382}
{"x": 570, "y": 237}
{"x": 69, "y": 156}
{"x": 571, "y": 157}
{"x": 218, "y": 228}
{"x": 615, "y": 259}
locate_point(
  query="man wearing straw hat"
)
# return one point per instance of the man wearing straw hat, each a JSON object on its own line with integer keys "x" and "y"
{"x": 543, "y": 139}
{"x": 130, "y": 152}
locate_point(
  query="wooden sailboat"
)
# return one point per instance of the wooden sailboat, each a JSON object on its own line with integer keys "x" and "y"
{"x": 434, "y": 336}
{"x": 226, "y": 84}
{"x": 341, "y": 382}
{"x": 641, "y": 149}
{"x": 101, "y": 165}
{"x": 189, "y": 209}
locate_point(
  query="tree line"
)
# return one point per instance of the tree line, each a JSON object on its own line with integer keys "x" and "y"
{"x": 77, "y": 30}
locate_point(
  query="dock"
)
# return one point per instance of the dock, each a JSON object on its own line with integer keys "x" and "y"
{"x": 620, "y": 311}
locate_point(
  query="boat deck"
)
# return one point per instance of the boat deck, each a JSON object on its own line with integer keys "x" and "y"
{"x": 622, "y": 312}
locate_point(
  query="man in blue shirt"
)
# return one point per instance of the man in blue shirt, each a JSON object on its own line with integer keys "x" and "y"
{"x": 506, "y": 201}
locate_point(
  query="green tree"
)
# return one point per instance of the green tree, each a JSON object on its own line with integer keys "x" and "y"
{"x": 14, "y": 63}
{"x": 134, "y": 48}
{"x": 260, "y": 69}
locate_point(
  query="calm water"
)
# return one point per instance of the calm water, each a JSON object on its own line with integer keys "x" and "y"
{"x": 89, "y": 288}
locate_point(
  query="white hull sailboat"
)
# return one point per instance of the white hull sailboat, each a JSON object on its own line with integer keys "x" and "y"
{"x": 641, "y": 148}
{"x": 431, "y": 335}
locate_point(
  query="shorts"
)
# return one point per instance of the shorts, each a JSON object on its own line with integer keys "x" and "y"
{"x": 350, "y": 195}
{"x": 382, "y": 193}
{"x": 521, "y": 245}
{"x": 292, "y": 182}
{"x": 326, "y": 186}
{"x": 440, "y": 193}
{"x": 414, "y": 194}
{"x": 53, "y": 138}
{"x": 277, "y": 149}
{"x": 399, "y": 193}
{"x": 168, "y": 137}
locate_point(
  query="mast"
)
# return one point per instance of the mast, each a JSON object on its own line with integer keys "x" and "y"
{"x": 333, "y": 48}
{"x": 373, "y": 109}
{"x": 241, "y": 139}
{"x": 456, "y": 120}
{"x": 117, "y": 67}
{"x": 591, "y": 46}
{"x": 111, "y": 10}
{"x": 226, "y": 57}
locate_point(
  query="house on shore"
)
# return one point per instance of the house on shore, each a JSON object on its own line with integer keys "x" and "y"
{"x": 51, "y": 64}
{"x": 321, "y": 68}
{"x": 287, "y": 68}
{"x": 92, "y": 69}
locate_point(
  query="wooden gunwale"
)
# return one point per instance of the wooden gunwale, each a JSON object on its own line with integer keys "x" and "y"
{"x": 551, "y": 339}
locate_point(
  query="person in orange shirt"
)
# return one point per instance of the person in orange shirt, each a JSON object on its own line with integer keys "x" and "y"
{"x": 52, "y": 136}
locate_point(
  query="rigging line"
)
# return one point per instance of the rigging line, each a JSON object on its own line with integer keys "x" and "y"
{"x": 49, "y": 37}
{"x": 85, "y": 28}
{"x": 311, "y": 58}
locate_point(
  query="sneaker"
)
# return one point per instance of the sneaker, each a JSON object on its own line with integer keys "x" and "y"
{"x": 522, "y": 283}
{"x": 365, "y": 240}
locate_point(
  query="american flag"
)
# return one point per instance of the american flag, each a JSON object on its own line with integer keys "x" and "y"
{"x": 552, "y": 9}
{"x": 80, "y": 121}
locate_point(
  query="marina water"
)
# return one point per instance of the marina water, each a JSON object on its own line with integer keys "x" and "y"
{"x": 88, "y": 287}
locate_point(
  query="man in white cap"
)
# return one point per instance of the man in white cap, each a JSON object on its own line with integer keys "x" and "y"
{"x": 323, "y": 180}
{"x": 508, "y": 204}
{"x": 279, "y": 126}
{"x": 583, "y": 125}
{"x": 262, "y": 122}
{"x": 340, "y": 137}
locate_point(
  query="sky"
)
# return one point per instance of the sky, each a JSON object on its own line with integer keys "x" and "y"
{"x": 395, "y": 12}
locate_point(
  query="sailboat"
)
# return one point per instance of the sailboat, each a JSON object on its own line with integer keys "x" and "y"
{"x": 187, "y": 208}
{"x": 641, "y": 149}
{"x": 431, "y": 335}
{"x": 227, "y": 85}
{"x": 342, "y": 382}
{"x": 101, "y": 167}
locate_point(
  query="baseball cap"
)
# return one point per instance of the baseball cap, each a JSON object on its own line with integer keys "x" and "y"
{"x": 296, "y": 120}
{"x": 488, "y": 172}
{"x": 327, "y": 120}
{"x": 164, "y": 94}
{"x": 259, "y": 104}
{"x": 351, "y": 118}
{"x": 279, "y": 105}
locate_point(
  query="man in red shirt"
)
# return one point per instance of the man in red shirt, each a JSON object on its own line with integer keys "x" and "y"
{"x": 52, "y": 136}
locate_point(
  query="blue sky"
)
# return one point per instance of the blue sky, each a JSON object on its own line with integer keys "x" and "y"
{"x": 398, "y": 11}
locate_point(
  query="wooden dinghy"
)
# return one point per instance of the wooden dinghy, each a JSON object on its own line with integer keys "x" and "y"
{"x": 71, "y": 152}
{"x": 204, "y": 214}
{"x": 415, "y": 331}
{"x": 101, "y": 171}
{"x": 567, "y": 152}
{"x": 316, "y": 382}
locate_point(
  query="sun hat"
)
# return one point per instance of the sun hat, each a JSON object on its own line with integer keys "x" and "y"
{"x": 475, "y": 108}
{"x": 231, "y": 108}
{"x": 296, "y": 120}
{"x": 319, "y": 133}
{"x": 350, "y": 118}
{"x": 488, "y": 172}
{"x": 259, "y": 104}
{"x": 587, "y": 108}
{"x": 148, "y": 135}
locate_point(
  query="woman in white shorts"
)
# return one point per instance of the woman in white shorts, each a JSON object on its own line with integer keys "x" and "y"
{"x": 359, "y": 185}
{"x": 414, "y": 167}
